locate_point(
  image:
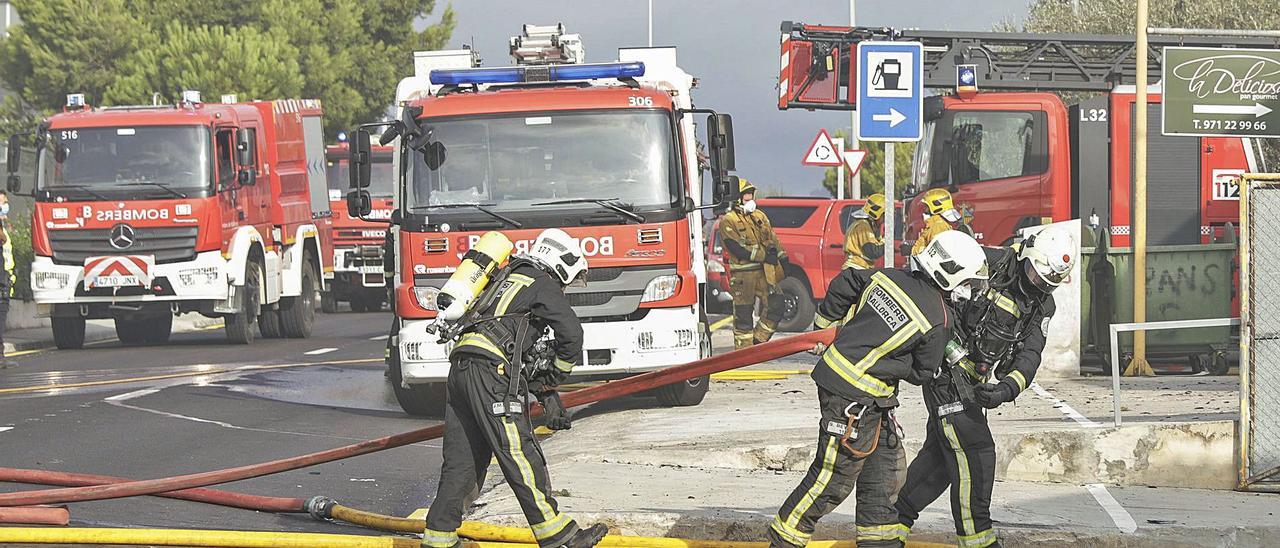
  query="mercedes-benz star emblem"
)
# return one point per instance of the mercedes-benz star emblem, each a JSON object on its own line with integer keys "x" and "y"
{"x": 122, "y": 236}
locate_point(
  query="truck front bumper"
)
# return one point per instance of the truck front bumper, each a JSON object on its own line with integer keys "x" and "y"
{"x": 664, "y": 337}
{"x": 201, "y": 279}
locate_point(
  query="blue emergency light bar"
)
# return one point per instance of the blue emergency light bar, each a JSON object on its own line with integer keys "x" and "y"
{"x": 536, "y": 73}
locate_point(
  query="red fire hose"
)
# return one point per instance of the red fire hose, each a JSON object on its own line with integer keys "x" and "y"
{"x": 35, "y": 516}
{"x": 631, "y": 385}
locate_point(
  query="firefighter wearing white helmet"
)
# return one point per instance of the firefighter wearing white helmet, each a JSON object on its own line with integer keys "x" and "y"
{"x": 999, "y": 337}
{"x": 893, "y": 326}
{"x": 493, "y": 365}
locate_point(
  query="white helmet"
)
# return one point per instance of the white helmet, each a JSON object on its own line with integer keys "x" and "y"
{"x": 1047, "y": 257}
{"x": 955, "y": 262}
{"x": 560, "y": 254}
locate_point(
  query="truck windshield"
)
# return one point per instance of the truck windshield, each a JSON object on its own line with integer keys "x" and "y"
{"x": 516, "y": 161}
{"x": 138, "y": 160}
{"x": 382, "y": 177}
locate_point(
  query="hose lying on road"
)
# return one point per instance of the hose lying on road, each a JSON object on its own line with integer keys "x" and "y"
{"x": 631, "y": 385}
{"x": 202, "y": 537}
{"x": 35, "y": 515}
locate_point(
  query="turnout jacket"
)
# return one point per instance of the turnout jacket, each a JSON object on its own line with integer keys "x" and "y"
{"x": 894, "y": 326}
{"x": 862, "y": 245}
{"x": 747, "y": 236}
{"x": 1004, "y": 328}
{"x": 527, "y": 292}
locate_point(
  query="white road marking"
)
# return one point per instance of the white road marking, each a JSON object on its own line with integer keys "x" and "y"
{"x": 1064, "y": 408}
{"x": 1124, "y": 522}
{"x": 5, "y": 428}
{"x": 380, "y": 338}
{"x": 319, "y": 351}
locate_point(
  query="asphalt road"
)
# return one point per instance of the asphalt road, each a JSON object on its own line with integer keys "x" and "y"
{"x": 331, "y": 393}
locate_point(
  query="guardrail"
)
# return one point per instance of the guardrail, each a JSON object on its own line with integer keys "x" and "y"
{"x": 1116, "y": 328}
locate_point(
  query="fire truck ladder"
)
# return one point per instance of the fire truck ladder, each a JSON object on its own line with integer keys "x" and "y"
{"x": 1005, "y": 61}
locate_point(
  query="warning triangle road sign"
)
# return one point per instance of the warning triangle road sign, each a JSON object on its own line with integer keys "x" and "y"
{"x": 854, "y": 159}
{"x": 822, "y": 152}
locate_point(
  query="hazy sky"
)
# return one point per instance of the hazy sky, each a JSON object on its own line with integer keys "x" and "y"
{"x": 731, "y": 46}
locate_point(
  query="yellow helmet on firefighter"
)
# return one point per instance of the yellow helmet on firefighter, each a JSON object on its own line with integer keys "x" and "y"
{"x": 745, "y": 186}
{"x": 937, "y": 201}
{"x": 874, "y": 207}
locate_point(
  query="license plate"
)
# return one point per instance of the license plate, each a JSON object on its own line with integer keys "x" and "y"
{"x": 371, "y": 269}
{"x": 117, "y": 281}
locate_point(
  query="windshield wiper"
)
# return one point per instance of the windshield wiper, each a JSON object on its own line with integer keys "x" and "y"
{"x": 83, "y": 188}
{"x": 481, "y": 207}
{"x": 171, "y": 191}
{"x": 604, "y": 202}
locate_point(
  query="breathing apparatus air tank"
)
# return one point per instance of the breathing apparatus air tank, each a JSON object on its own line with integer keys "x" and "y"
{"x": 473, "y": 274}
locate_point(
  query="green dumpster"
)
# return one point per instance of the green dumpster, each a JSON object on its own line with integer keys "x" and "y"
{"x": 1184, "y": 282}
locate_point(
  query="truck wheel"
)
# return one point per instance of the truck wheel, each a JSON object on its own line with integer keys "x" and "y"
{"x": 68, "y": 333}
{"x": 328, "y": 303}
{"x": 240, "y": 327}
{"x": 358, "y": 303}
{"x": 297, "y": 314}
{"x": 691, "y": 392}
{"x": 802, "y": 317}
{"x": 158, "y": 329}
{"x": 269, "y": 324}
{"x": 132, "y": 332}
{"x": 419, "y": 400}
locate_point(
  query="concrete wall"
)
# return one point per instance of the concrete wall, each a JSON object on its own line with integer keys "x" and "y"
{"x": 22, "y": 315}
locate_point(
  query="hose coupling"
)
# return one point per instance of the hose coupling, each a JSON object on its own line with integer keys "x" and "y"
{"x": 321, "y": 507}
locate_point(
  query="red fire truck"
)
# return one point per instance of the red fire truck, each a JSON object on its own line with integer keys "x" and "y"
{"x": 606, "y": 152}
{"x": 146, "y": 212}
{"x": 1020, "y": 156}
{"x": 357, "y": 254}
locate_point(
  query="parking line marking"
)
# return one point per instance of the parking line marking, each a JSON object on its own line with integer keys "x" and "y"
{"x": 1124, "y": 522}
{"x": 319, "y": 351}
{"x": 5, "y": 428}
{"x": 380, "y": 338}
{"x": 1065, "y": 408}
{"x": 242, "y": 369}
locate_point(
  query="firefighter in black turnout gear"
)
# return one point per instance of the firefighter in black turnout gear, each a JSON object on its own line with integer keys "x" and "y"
{"x": 894, "y": 327}
{"x": 488, "y": 379}
{"x": 1000, "y": 334}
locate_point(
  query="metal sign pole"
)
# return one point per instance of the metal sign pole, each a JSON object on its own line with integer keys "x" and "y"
{"x": 853, "y": 119}
{"x": 840, "y": 168}
{"x": 889, "y": 197}
{"x": 1139, "y": 365}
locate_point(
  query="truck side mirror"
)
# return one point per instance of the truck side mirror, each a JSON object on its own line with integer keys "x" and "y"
{"x": 358, "y": 162}
{"x": 720, "y": 155}
{"x": 359, "y": 204}
{"x": 13, "y": 155}
{"x": 244, "y": 148}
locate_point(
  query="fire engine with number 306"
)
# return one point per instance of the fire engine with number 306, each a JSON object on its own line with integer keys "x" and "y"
{"x": 606, "y": 152}
{"x": 150, "y": 211}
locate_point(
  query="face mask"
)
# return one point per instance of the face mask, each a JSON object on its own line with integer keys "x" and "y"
{"x": 4, "y": 210}
{"x": 749, "y": 206}
{"x": 961, "y": 294}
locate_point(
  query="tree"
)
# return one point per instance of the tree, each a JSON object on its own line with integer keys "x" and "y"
{"x": 873, "y": 168}
{"x": 348, "y": 53}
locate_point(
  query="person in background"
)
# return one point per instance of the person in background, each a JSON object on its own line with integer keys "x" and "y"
{"x": 862, "y": 243}
{"x": 941, "y": 215}
{"x": 756, "y": 260}
{"x": 6, "y": 278}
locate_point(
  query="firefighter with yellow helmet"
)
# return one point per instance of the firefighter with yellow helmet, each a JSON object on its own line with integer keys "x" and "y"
{"x": 862, "y": 242}
{"x": 755, "y": 268}
{"x": 941, "y": 215}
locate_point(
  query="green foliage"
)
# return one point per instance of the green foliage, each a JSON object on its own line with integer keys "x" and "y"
{"x": 20, "y": 238}
{"x": 348, "y": 53}
{"x": 1119, "y": 16}
{"x": 873, "y": 168}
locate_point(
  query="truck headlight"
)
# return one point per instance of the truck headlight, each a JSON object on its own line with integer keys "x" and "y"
{"x": 426, "y": 297}
{"x": 661, "y": 288}
{"x": 205, "y": 275}
{"x": 49, "y": 280}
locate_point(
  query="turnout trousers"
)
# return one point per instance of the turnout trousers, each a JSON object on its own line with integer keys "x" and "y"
{"x": 747, "y": 287}
{"x": 836, "y": 472}
{"x": 475, "y": 432}
{"x": 958, "y": 453}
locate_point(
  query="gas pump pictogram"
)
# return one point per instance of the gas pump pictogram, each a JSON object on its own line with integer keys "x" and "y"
{"x": 889, "y": 73}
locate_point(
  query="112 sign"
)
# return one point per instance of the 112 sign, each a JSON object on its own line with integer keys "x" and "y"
{"x": 1226, "y": 184}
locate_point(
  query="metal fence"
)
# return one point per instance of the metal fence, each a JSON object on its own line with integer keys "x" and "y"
{"x": 1258, "y": 444}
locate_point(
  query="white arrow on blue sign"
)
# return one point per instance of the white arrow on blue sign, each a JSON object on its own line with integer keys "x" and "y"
{"x": 890, "y": 91}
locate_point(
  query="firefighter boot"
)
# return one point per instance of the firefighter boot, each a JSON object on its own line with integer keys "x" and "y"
{"x": 586, "y": 538}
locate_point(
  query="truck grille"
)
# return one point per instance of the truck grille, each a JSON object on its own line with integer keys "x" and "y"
{"x": 167, "y": 244}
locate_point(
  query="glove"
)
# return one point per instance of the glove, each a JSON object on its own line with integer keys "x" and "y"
{"x": 547, "y": 380}
{"x": 554, "y": 414}
{"x": 818, "y": 349}
{"x": 771, "y": 255}
{"x": 991, "y": 396}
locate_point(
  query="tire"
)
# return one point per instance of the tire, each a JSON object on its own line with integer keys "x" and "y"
{"x": 1218, "y": 364}
{"x": 132, "y": 332}
{"x": 693, "y": 391}
{"x": 240, "y": 327}
{"x": 68, "y": 333}
{"x": 805, "y": 309}
{"x": 158, "y": 329}
{"x": 419, "y": 400}
{"x": 269, "y": 324}
{"x": 357, "y": 303}
{"x": 328, "y": 303}
{"x": 298, "y": 314}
